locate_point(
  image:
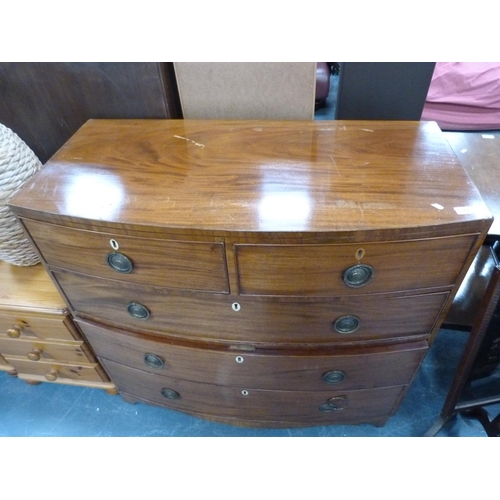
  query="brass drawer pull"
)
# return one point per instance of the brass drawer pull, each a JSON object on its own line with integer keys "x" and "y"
{"x": 52, "y": 376}
{"x": 34, "y": 355}
{"x": 346, "y": 324}
{"x": 119, "y": 262}
{"x": 358, "y": 275}
{"x": 153, "y": 361}
{"x": 170, "y": 393}
{"x": 138, "y": 311}
{"x": 334, "y": 377}
{"x": 14, "y": 332}
{"x": 334, "y": 404}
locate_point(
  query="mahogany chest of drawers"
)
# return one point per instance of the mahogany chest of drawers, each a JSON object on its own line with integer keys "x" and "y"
{"x": 257, "y": 273}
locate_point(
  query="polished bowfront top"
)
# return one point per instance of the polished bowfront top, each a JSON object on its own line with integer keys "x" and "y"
{"x": 256, "y": 176}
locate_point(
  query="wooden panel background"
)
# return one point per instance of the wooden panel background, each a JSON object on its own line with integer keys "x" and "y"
{"x": 46, "y": 103}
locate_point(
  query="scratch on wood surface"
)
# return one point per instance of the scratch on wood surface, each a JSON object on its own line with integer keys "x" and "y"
{"x": 362, "y": 209}
{"x": 189, "y": 140}
{"x": 367, "y": 129}
{"x": 335, "y": 165}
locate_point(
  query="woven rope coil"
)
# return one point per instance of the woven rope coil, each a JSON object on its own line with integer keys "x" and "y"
{"x": 17, "y": 164}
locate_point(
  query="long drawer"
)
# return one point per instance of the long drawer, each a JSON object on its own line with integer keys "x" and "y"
{"x": 350, "y": 368}
{"x": 306, "y": 407}
{"x": 319, "y": 270}
{"x": 194, "y": 265}
{"x": 258, "y": 321}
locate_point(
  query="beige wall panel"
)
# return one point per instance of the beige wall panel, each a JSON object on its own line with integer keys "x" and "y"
{"x": 281, "y": 91}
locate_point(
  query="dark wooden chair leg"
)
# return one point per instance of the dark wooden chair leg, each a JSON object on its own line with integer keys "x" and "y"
{"x": 439, "y": 424}
{"x": 483, "y": 316}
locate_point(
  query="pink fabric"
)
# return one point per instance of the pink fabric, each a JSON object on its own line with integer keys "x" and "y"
{"x": 464, "y": 96}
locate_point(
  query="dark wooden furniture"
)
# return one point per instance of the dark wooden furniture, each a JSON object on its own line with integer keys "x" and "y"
{"x": 477, "y": 381}
{"x": 479, "y": 154}
{"x": 476, "y": 306}
{"x": 270, "y": 274}
{"x": 46, "y": 103}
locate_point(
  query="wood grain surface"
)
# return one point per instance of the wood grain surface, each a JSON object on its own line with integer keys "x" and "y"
{"x": 262, "y": 176}
{"x": 297, "y": 369}
{"x": 479, "y": 153}
{"x": 239, "y": 234}
{"x": 257, "y": 322}
{"x": 285, "y": 406}
{"x": 318, "y": 269}
{"x": 194, "y": 265}
{"x": 28, "y": 288}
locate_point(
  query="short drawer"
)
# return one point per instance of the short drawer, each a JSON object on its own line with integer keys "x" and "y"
{"x": 194, "y": 265}
{"x": 306, "y": 407}
{"x": 352, "y": 368}
{"x": 250, "y": 320}
{"x": 55, "y": 371}
{"x": 35, "y": 350}
{"x": 17, "y": 324}
{"x": 318, "y": 270}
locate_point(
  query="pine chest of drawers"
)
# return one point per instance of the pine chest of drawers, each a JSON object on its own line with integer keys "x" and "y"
{"x": 257, "y": 273}
{"x": 39, "y": 341}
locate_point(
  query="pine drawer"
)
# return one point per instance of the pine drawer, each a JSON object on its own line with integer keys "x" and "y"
{"x": 35, "y": 325}
{"x": 36, "y": 350}
{"x": 56, "y": 371}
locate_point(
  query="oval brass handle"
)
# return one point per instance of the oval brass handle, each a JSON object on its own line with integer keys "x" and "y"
{"x": 34, "y": 355}
{"x": 346, "y": 324}
{"x": 334, "y": 404}
{"x": 14, "y": 332}
{"x": 358, "y": 275}
{"x": 138, "y": 311}
{"x": 52, "y": 376}
{"x": 119, "y": 262}
{"x": 153, "y": 360}
{"x": 334, "y": 377}
{"x": 170, "y": 393}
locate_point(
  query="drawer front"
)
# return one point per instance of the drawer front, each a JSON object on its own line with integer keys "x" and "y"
{"x": 319, "y": 270}
{"x": 190, "y": 265}
{"x": 54, "y": 371}
{"x": 255, "y": 321}
{"x": 36, "y": 350}
{"x": 293, "y": 370}
{"x": 4, "y": 366}
{"x": 239, "y": 402}
{"x": 34, "y": 326}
